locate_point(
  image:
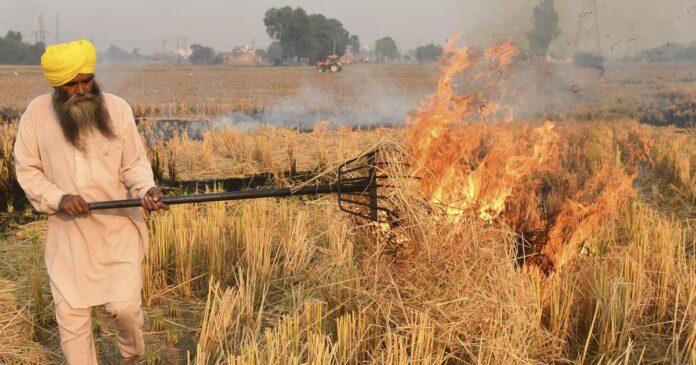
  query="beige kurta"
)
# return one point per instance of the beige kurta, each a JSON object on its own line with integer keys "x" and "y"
{"x": 94, "y": 259}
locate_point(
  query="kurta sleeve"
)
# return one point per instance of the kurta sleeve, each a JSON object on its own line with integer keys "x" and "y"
{"x": 135, "y": 166}
{"x": 43, "y": 194}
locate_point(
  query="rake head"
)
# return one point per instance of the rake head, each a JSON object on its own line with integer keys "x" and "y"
{"x": 365, "y": 183}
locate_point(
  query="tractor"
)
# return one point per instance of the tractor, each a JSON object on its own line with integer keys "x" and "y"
{"x": 332, "y": 63}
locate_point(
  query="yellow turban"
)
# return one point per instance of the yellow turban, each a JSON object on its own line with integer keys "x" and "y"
{"x": 62, "y": 62}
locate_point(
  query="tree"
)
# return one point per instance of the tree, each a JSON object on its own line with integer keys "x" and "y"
{"x": 354, "y": 43}
{"x": 588, "y": 60}
{"x": 136, "y": 54}
{"x": 202, "y": 55}
{"x": 15, "y": 52}
{"x": 290, "y": 28}
{"x": 430, "y": 52}
{"x": 386, "y": 49}
{"x": 327, "y": 37}
{"x": 545, "y": 28}
{"x": 274, "y": 55}
{"x": 669, "y": 52}
{"x": 117, "y": 54}
{"x": 13, "y": 36}
{"x": 691, "y": 52}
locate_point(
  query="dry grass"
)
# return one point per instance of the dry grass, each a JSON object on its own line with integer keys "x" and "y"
{"x": 16, "y": 329}
{"x": 297, "y": 281}
{"x": 231, "y": 153}
{"x": 453, "y": 292}
{"x": 676, "y": 159}
{"x": 7, "y": 172}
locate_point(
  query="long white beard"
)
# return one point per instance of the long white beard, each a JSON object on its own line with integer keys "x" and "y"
{"x": 82, "y": 111}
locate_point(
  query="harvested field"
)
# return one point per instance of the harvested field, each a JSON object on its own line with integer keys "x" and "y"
{"x": 567, "y": 237}
{"x": 556, "y": 91}
{"x": 218, "y": 90}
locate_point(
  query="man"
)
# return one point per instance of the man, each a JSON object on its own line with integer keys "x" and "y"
{"x": 76, "y": 146}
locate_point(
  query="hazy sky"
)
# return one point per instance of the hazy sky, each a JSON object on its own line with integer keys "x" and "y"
{"x": 628, "y": 25}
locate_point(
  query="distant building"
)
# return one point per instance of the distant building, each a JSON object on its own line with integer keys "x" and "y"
{"x": 348, "y": 58}
{"x": 241, "y": 56}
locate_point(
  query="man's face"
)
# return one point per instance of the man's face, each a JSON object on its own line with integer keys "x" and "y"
{"x": 79, "y": 106}
{"x": 79, "y": 86}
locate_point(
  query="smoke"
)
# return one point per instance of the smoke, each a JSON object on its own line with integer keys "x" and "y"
{"x": 539, "y": 91}
{"x": 122, "y": 79}
{"x": 377, "y": 103}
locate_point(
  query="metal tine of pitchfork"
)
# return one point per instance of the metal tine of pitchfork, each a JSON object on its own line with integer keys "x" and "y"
{"x": 368, "y": 203}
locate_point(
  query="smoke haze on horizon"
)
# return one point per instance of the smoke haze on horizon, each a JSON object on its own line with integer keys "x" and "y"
{"x": 624, "y": 26}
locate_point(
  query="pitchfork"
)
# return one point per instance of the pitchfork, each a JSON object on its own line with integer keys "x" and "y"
{"x": 358, "y": 184}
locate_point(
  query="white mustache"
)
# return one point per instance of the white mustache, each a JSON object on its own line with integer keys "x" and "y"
{"x": 79, "y": 98}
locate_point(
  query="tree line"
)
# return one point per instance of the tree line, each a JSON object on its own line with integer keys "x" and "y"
{"x": 14, "y": 51}
{"x": 670, "y": 52}
{"x": 297, "y": 37}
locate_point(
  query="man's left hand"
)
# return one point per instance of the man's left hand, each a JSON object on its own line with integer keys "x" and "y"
{"x": 151, "y": 200}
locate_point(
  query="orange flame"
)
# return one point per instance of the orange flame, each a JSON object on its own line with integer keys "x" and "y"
{"x": 444, "y": 140}
{"x": 494, "y": 169}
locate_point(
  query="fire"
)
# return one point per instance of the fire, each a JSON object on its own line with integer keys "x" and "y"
{"x": 444, "y": 140}
{"x": 473, "y": 160}
{"x": 577, "y": 221}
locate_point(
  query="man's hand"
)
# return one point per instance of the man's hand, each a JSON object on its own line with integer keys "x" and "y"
{"x": 151, "y": 200}
{"x": 73, "y": 205}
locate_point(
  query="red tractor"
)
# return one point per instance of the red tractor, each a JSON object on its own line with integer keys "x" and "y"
{"x": 332, "y": 63}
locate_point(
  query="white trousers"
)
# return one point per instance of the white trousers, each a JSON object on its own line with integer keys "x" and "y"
{"x": 75, "y": 327}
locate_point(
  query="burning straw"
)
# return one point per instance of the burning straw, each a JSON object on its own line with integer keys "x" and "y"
{"x": 475, "y": 160}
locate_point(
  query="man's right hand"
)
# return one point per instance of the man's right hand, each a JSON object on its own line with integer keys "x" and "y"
{"x": 74, "y": 205}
